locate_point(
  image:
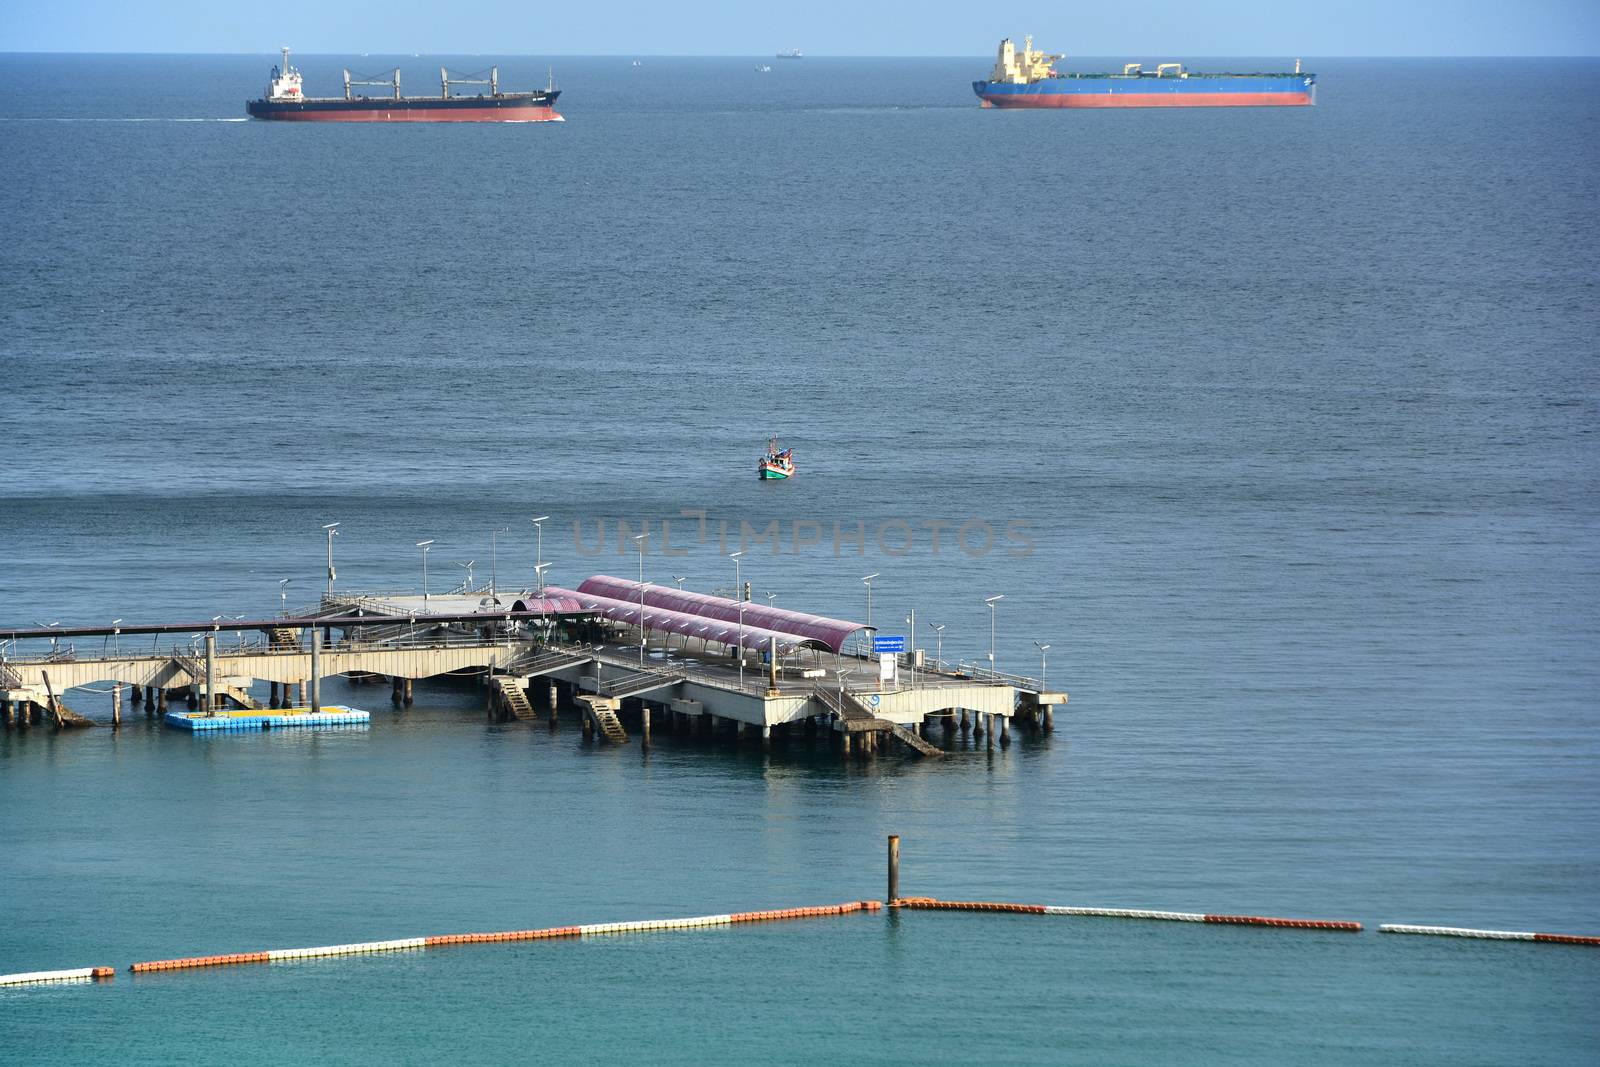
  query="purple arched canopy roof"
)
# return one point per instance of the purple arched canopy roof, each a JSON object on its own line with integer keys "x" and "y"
{"x": 818, "y": 631}
{"x": 677, "y": 622}
{"x": 554, "y": 605}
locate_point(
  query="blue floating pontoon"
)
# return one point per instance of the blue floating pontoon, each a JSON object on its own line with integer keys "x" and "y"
{"x": 283, "y": 718}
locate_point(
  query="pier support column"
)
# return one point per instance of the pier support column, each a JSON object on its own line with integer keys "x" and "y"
{"x": 989, "y": 733}
{"x": 554, "y": 696}
{"x": 1005, "y": 732}
{"x": 137, "y": 695}
{"x": 116, "y": 704}
{"x": 190, "y": 697}
{"x": 396, "y": 691}
{"x": 1049, "y": 719}
{"x": 211, "y": 674}
{"x": 300, "y": 694}
{"x": 644, "y": 724}
{"x": 766, "y": 738}
{"x": 5, "y": 713}
{"x": 977, "y": 725}
{"x": 316, "y": 671}
{"x": 158, "y": 698}
{"x": 844, "y": 741}
{"x": 965, "y": 725}
{"x": 410, "y": 694}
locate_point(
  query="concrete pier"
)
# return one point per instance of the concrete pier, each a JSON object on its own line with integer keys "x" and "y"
{"x": 694, "y": 684}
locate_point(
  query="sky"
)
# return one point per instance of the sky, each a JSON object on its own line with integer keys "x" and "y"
{"x": 819, "y": 27}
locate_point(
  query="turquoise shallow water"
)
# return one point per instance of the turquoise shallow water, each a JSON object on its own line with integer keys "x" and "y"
{"x": 1297, "y": 409}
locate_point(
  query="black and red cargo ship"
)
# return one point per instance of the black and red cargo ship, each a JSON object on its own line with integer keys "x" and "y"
{"x": 286, "y": 101}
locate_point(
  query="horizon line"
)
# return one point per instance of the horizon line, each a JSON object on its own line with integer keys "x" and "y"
{"x": 815, "y": 55}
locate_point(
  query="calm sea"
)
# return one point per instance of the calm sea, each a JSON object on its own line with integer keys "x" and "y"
{"x": 1295, "y": 415}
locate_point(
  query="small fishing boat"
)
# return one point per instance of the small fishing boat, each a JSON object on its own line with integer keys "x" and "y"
{"x": 777, "y": 463}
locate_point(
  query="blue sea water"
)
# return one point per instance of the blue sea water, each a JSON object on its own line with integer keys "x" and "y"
{"x": 1292, "y": 414}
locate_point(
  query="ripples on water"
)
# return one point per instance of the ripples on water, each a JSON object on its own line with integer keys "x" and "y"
{"x": 1299, "y": 408}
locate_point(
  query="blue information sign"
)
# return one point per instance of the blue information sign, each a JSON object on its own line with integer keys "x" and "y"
{"x": 891, "y": 643}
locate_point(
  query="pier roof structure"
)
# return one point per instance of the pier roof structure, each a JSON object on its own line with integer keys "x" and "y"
{"x": 750, "y": 635}
{"x": 801, "y": 628}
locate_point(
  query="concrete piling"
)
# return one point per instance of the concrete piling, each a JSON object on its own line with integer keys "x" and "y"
{"x": 644, "y": 724}
{"x": 989, "y": 733}
{"x": 1005, "y": 732}
{"x": 116, "y": 704}
{"x": 894, "y": 869}
{"x": 316, "y": 671}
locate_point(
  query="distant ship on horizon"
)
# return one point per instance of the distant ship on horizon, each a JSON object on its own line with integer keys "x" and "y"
{"x": 286, "y": 101}
{"x": 793, "y": 53}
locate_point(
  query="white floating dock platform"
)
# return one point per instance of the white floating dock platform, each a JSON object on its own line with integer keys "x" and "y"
{"x": 280, "y": 719}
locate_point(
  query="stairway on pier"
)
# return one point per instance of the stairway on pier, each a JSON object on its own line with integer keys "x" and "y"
{"x": 514, "y": 699}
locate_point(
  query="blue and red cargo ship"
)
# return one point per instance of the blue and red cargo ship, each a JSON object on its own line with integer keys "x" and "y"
{"x": 1029, "y": 79}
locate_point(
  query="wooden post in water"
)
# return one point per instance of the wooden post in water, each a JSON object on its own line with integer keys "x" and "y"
{"x": 894, "y": 869}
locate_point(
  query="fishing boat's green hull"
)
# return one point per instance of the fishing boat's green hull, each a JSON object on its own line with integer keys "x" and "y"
{"x": 767, "y": 475}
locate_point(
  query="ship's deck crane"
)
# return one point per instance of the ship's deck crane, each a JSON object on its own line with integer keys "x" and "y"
{"x": 492, "y": 81}
{"x": 370, "y": 80}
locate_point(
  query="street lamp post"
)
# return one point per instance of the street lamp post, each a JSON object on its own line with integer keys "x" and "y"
{"x": 332, "y": 530}
{"x": 494, "y": 560}
{"x": 283, "y": 596}
{"x": 538, "y": 555}
{"x": 868, "y": 581}
{"x": 992, "y": 601}
{"x": 638, "y": 543}
{"x": 425, "y": 546}
{"x": 738, "y": 590}
{"x": 911, "y": 652}
{"x": 116, "y": 636}
{"x": 938, "y": 647}
{"x": 1042, "y": 650}
{"x": 680, "y": 582}
{"x": 468, "y": 565}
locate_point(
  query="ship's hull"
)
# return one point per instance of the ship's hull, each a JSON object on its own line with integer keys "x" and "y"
{"x": 1114, "y": 90}
{"x": 509, "y": 107}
